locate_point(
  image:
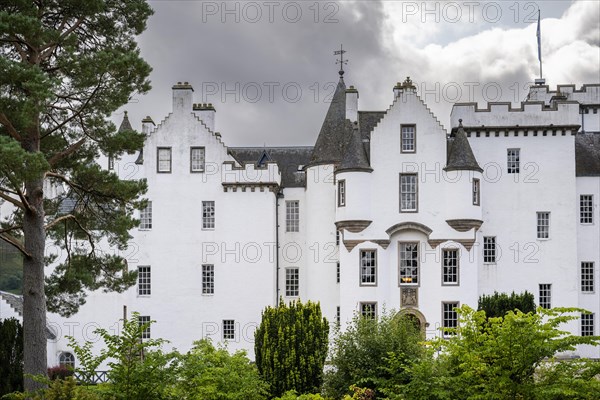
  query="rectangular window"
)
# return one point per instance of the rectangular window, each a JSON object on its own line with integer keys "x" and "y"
{"x": 368, "y": 310}
{"x": 512, "y": 160}
{"x": 368, "y": 267}
{"x": 208, "y": 279}
{"x": 144, "y": 285}
{"x": 292, "y": 282}
{"x": 587, "y": 277}
{"x": 337, "y": 237}
{"x": 164, "y": 159}
{"x": 545, "y": 298}
{"x": 338, "y": 315}
{"x": 208, "y": 215}
{"x": 408, "y": 192}
{"x": 543, "y": 225}
{"x": 489, "y": 249}
{"x": 196, "y": 159}
{"x": 586, "y": 209}
{"x": 409, "y": 263}
{"x": 476, "y": 192}
{"x": 228, "y": 329}
{"x": 111, "y": 163}
{"x": 292, "y": 216}
{"x": 449, "y": 317}
{"x": 143, "y": 320}
{"x": 450, "y": 267}
{"x": 146, "y": 217}
{"x": 338, "y": 272}
{"x": 408, "y": 138}
{"x": 587, "y": 324}
{"x": 341, "y": 193}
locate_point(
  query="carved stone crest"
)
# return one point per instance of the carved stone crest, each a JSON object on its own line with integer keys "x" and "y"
{"x": 409, "y": 297}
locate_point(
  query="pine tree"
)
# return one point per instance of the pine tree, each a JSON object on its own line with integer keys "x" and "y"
{"x": 66, "y": 65}
{"x": 290, "y": 346}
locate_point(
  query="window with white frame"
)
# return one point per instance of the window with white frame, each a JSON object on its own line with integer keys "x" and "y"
{"x": 476, "y": 192}
{"x": 208, "y": 279}
{"x": 450, "y": 267}
{"x": 144, "y": 320}
{"x": 338, "y": 272}
{"x": 368, "y": 267}
{"x": 196, "y": 159}
{"x": 449, "y": 317}
{"x": 228, "y": 329}
{"x": 513, "y": 160}
{"x": 341, "y": 193}
{"x": 163, "y": 155}
{"x": 543, "y": 225}
{"x": 408, "y": 138}
{"x": 409, "y": 263}
{"x": 337, "y": 237}
{"x": 338, "y": 315}
{"x": 368, "y": 310}
{"x": 545, "y": 295}
{"x": 408, "y": 193}
{"x": 208, "y": 215}
{"x": 587, "y": 277}
{"x": 587, "y": 324}
{"x": 66, "y": 359}
{"x": 146, "y": 217}
{"x": 489, "y": 249}
{"x": 144, "y": 282}
{"x": 111, "y": 163}
{"x": 586, "y": 209}
{"x": 292, "y": 282}
{"x": 292, "y": 216}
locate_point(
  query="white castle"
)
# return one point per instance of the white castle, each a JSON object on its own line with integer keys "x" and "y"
{"x": 388, "y": 211}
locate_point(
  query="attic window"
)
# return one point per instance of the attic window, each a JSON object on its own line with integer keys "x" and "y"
{"x": 408, "y": 139}
{"x": 197, "y": 159}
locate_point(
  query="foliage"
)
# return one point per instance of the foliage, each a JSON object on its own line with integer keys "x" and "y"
{"x": 209, "y": 373}
{"x": 59, "y": 372}
{"x": 65, "y": 67}
{"x": 60, "y": 389}
{"x": 360, "y": 393}
{"x": 292, "y": 395}
{"x": 500, "y": 358}
{"x": 373, "y": 354}
{"x": 138, "y": 369}
{"x": 11, "y": 356}
{"x": 291, "y": 347}
{"x": 498, "y": 304}
{"x": 11, "y": 268}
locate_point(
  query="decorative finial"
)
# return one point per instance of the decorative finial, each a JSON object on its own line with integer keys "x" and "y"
{"x": 125, "y": 114}
{"x": 341, "y": 60}
{"x": 460, "y": 123}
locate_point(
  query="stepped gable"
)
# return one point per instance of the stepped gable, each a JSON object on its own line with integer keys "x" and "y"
{"x": 367, "y": 120}
{"x": 16, "y": 303}
{"x": 288, "y": 159}
{"x": 355, "y": 157}
{"x": 460, "y": 155}
{"x": 587, "y": 154}
{"x": 335, "y": 131}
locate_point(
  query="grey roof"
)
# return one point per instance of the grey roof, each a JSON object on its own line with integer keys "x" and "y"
{"x": 125, "y": 124}
{"x": 460, "y": 154}
{"x": 288, "y": 160}
{"x": 355, "y": 157}
{"x": 587, "y": 154}
{"x": 329, "y": 148}
{"x": 16, "y": 303}
{"x": 367, "y": 121}
{"x": 67, "y": 205}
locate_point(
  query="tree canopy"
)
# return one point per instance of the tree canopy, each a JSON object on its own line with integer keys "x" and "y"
{"x": 65, "y": 66}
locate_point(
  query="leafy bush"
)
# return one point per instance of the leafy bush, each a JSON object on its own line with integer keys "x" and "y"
{"x": 498, "y": 304}
{"x": 11, "y": 356}
{"x": 59, "y": 372}
{"x": 292, "y": 395}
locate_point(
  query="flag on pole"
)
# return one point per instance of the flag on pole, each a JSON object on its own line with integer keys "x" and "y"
{"x": 539, "y": 38}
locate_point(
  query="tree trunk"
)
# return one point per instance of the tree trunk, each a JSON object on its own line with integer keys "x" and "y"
{"x": 34, "y": 299}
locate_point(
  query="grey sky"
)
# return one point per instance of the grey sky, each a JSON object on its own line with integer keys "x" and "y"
{"x": 268, "y": 66}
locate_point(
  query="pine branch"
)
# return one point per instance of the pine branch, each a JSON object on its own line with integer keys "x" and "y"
{"x": 14, "y": 202}
{"x": 12, "y": 240}
{"x": 10, "y": 128}
{"x": 68, "y": 151}
{"x": 12, "y": 228}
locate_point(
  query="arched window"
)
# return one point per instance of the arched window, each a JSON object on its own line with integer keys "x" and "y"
{"x": 66, "y": 359}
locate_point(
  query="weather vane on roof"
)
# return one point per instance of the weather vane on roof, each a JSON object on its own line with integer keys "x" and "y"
{"x": 341, "y": 60}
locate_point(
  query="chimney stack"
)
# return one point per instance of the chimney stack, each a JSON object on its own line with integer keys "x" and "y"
{"x": 352, "y": 104}
{"x": 182, "y": 97}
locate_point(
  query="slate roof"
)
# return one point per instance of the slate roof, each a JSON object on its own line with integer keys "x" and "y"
{"x": 460, "y": 154}
{"x": 355, "y": 157}
{"x": 335, "y": 131}
{"x": 288, "y": 160}
{"x": 125, "y": 124}
{"x": 367, "y": 121}
{"x": 587, "y": 154}
{"x": 16, "y": 303}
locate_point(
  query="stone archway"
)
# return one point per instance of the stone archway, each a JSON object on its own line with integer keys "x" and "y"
{"x": 416, "y": 316}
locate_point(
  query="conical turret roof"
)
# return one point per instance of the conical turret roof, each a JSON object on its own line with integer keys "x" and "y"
{"x": 335, "y": 131}
{"x": 355, "y": 158}
{"x": 460, "y": 156}
{"x": 125, "y": 124}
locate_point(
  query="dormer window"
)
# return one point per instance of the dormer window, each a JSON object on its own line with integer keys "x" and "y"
{"x": 408, "y": 138}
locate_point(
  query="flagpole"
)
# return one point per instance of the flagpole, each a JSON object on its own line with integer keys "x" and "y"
{"x": 540, "y": 44}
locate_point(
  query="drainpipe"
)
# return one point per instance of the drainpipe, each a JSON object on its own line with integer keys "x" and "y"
{"x": 278, "y": 195}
